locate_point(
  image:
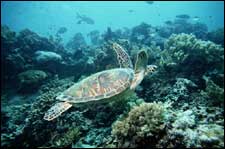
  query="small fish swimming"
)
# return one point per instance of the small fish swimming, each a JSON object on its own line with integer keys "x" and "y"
{"x": 168, "y": 22}
{"x": 196, "y": 18}
{"x": 130, "y": 10}
{"x": 149, "y": 2}
{"x": 183, "y": 16}
{"x": 84, "y": 18}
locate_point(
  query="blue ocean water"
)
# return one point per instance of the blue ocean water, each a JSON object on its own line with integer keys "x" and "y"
{"x": 40, "y": 16}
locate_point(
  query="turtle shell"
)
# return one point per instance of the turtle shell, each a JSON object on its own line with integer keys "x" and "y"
{"x": 98, "y": 86}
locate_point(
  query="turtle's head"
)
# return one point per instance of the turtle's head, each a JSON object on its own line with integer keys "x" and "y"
{"x": 150, "y": 69}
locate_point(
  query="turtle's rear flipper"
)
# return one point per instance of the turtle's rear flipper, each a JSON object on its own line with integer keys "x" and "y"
{"x": 56, "y": 110}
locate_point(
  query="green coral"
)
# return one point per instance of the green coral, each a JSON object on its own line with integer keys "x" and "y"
{"x": 143, "y": 121}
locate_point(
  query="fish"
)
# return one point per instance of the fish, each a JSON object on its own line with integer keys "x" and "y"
{"x": 196, "y": 18}
{"x": 149, "y": 2}
{"x": 130, "y": 10}
{"x": 84, "y": 18}
{"x": 168, "y": 22}
{"x": 183, "y": 16}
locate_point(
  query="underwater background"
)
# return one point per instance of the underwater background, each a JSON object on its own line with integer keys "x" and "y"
{"x": 46, "y": 47}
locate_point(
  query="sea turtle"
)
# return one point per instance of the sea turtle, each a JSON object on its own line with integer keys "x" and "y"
{"x": 104, "y": 84}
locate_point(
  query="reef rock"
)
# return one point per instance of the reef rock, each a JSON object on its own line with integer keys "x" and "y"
{"x": 46, "y": 56}
{"x": 31, "y": 79}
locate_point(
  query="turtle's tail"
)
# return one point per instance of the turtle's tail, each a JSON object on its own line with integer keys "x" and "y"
{"x": 56, "y": 110}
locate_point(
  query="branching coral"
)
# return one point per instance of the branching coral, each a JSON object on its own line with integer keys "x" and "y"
{"x": 141, "y": 127}
{"x": 189, "y": 57}
{"x": 180, "y": 47}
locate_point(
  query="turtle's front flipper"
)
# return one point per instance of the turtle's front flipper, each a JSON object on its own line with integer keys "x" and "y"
{"x": 140, "y": 68}
{"x": 122, "y": 56}
{"x": 56, "y": 110}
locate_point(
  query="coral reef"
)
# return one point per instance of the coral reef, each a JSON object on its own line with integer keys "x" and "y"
{"x": 178, "y": 26}
{"x": 8, "y": 39}
{"x": 31, "y": 42}
{"x": 140, "y": 32}
{"x": 142, "y": 126}
{"x": 46, "y": 56}
{"x": 64, "y": 140}
{"x": 188, "y": 88}
{"x": 14, "y": 122}
{"x": 95, "y": 37}
{"x": 215, "y": 92}
{"x": 197, "y": 126}
{"x": 190, "y": 57}
{"x": 94, "y": 138}
{"x": 217, "y": 36}
{"x": 77, "y": 124}
{"x": 77, "y": 42}
{"x": 31, "y": 77}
